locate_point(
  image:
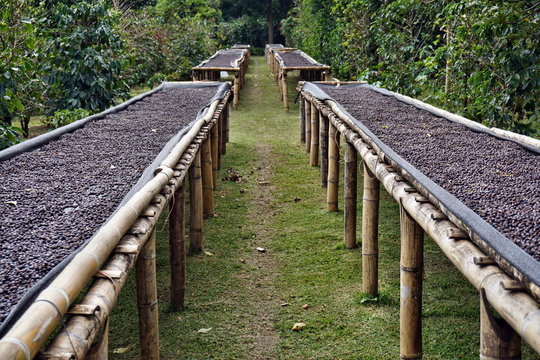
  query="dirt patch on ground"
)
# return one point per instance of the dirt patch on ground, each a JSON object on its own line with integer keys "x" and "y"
{"x": 261, "y": 336}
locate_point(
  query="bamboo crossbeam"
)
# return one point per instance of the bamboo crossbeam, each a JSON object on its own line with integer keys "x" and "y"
{"x": 518, "y": 308}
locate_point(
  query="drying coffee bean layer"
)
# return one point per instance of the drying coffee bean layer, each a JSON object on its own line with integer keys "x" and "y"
{"x": 497, "y": 179}
{"x": 295, "y": 59}
{"x": 223, "y": 60}
{"x": 55, "y": 198}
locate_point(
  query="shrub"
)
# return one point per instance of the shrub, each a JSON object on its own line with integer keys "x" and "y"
{"x": 64, "y": 117}
{"x": 8, "y": 136}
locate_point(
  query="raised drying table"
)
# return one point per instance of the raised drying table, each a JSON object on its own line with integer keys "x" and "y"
{"x": 233, "y": 60}
{"x": 73, "y": 196}
{"x": 291, "y": 59}
{"x": 474, "y": 190}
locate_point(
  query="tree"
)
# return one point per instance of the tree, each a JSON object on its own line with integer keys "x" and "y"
{"x": 85, "y": 57}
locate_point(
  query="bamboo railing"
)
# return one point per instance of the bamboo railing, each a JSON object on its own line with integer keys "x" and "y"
{"x": 498, "y": 289}
{"x": 127, "y": 240}
{"x": 239, "y": 67}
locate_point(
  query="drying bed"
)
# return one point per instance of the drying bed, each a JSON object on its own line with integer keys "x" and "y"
{"x": 57, "y": 196}
{"x": 296, "y": 59}
{"x": 229, "y": 58}
{"x": 497, "y": 179}
{"x": 485, "y": 181}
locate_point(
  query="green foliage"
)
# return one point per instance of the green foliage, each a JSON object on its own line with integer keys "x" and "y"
{"x": 476, "y": 57}
{"x": 181, "y": 9}
{"x": 245, "y": 30}
{"x": 20, "y": 86}
{"x": 158, "y": 50}
{"x": 85, "y": 57}
{"x": 64, "y": 117}
{"x": 9, "y": 135}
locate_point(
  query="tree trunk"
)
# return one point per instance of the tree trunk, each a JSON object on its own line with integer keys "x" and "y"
{"x": 270, "y": 17}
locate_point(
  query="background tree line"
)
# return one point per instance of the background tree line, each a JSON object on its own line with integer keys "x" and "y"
{"x": 479, "y": 58}
{"x": 70, "y": 58}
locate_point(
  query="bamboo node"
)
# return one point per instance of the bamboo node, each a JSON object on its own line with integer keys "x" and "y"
{"x": 127, "y": 249}
{"x": 458, "y": 234}
{"x": 83, "y": 309}
{"x": 421, "y": 199}
{"x": 410, "y": 190}
{"x": 439, "y": 215}
{"x": 414, "y": 270}
{"x": 109, "y": 274}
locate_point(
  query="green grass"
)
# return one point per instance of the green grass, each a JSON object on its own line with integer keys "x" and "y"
{"x": 305, "y": 263}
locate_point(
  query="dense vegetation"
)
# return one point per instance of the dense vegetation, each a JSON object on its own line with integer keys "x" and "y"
{"x": 475, "y": 57}
{"x": 62, "y": 58}
{"x": 479, "y": 58}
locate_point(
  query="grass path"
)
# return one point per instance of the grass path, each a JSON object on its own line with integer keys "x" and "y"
{"x": 250, "y": 300}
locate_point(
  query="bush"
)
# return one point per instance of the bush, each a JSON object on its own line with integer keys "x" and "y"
{"x": 8, "y": 136}
{"x": 245, "y": 30}
{"x": 64, "y": 117}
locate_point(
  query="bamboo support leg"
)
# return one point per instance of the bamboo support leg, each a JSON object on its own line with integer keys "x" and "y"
{"x": 195, "y": 206}
{"x": 411, "y": 270}
{"x": 370, "y": 233}
{"x": 147, "y": 301}
{"x": 285, "y": 94}
{"x": 214, "y": 138}
{"x": 307, "y": 106}
{"x": 207, "y": 178}
{"x": 302, "y": 121}
{"x": 177, "y": 250}
{"x": 351, "y": 173}
{"x": 323, "y": 129}
{"x": 314, "y": 151}
{"x": 498, "y": 341}
{"x": 236, "y": 91}
{"x": 333, "y": 169}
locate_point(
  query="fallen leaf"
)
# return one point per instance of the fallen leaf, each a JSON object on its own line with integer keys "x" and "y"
{"x": 297, "y": 200}
{"x": 122, "y": 350}
{"x": 305, "y": 306}
{"x": 298, "y": 326}
{"x": 285, "y": 304}
{"x": 14, "y": 203}
{"x": 261, "y": 250}
{"x": 204, "y": 330}
{"x": 207, "y": 253}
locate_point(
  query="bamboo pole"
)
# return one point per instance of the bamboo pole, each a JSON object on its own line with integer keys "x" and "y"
{"x": 236, "y": 91}
{"x": 207, "y": 178}
{"x": 411, "y": 270}
{"x": 351, "y": 173}
{"x": 370, "y": 233}
{"x": 498, "y": 341}
{"x": 314, "y": 146}
{"x": 307, "y": 106}
{"x": 333, "y": 169}
{"x": 285, "y": 91}
{"x": 147, "y": 301}
{"x": 302, "y": 121}
{"x": 177, "y": 250}
{"x": 216, "y": 159}
{"x": 195, "y": 206}
{"x": 323, "y": 128}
